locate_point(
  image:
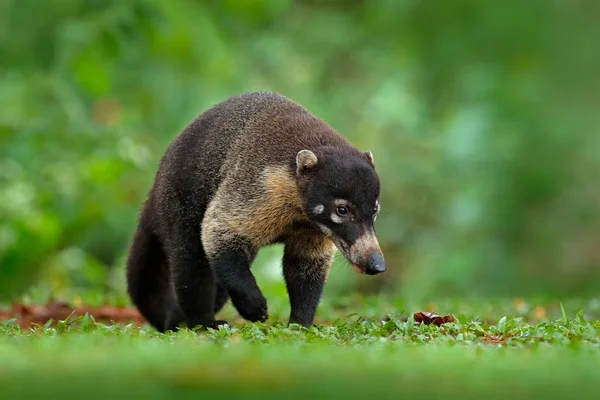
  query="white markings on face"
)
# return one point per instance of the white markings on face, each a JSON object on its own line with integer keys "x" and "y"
{"x": 325, "y": 230}
{"x": 336, "y": 218}
{"x": 341, "y": 211}
{"x": 318, "y": 209}
{"x": 341, "y": 203}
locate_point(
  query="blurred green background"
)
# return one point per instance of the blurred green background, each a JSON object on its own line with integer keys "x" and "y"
{"x": 482, "y": 116}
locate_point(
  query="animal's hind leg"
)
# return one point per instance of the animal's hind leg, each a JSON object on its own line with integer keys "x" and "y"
{"x": 174, "y": 318}
{"x": 193, "y": 280}
{"x": 221, "y": 297}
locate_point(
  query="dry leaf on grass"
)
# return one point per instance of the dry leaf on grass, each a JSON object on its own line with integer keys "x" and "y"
{"x": 428, "y": 318}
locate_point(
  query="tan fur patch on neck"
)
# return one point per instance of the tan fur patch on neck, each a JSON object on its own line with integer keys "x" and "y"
{"x": 310, "y": 246}
{"x": 282, "y": 190}
{"x": 259, "y": 219}
{"x": 276, "y": 210}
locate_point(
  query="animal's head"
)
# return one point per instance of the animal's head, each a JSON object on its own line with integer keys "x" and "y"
{"x": 341, "y": 196}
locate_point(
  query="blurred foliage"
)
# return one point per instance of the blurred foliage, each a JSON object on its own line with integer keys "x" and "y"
{"x": 482, "y": 117}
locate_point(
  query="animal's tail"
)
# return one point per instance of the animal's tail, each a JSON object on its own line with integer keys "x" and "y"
{"x": 148, "y": 280}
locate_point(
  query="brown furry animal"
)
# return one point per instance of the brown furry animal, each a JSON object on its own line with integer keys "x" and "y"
{"x": 253, "y": 170}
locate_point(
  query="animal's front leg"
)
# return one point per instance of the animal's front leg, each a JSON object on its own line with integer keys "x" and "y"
{"x": 232, "y": 267}
{"x": 306, "y": 264}
{"x": 227, "y": 239}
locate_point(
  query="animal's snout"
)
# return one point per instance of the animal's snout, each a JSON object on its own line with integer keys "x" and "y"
{"x": 375, "y": 264}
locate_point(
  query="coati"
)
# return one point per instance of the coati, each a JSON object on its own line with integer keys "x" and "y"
{"x": 253, "y": 170}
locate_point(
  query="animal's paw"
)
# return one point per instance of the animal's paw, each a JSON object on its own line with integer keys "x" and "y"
{"x": 212, "y": 325}
{"x": 201, "y": 325}
{"x": 252, "y": 308}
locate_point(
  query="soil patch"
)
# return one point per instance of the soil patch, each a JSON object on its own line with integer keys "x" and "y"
{"x": 40, "y": 314}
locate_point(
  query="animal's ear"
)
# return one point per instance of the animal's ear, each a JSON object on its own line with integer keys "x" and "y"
{"x": 369, "y": 156}
{"x": 305, "y": 160}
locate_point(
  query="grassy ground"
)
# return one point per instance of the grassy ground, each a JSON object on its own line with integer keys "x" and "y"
{"x": 495, "y": 349}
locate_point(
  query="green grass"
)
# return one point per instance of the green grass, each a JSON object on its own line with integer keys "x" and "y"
{"x": 495, "y": 349}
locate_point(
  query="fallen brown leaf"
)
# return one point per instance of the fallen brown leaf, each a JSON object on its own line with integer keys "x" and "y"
{"x": 428, "y": 318}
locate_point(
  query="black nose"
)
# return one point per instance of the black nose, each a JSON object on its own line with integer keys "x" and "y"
{"x": 376, "y": 264}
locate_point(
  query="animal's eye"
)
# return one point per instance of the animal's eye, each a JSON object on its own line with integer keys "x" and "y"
{"x": 341, "y": 210}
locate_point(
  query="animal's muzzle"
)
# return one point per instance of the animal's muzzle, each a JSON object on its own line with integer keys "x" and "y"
{"x": 365, "y": 254}
{"x": 375, "y": 264}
